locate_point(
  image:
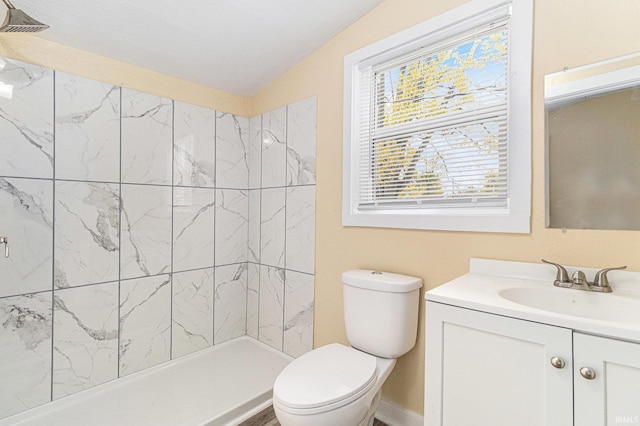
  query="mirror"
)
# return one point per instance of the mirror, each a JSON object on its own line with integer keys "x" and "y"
{"x": 593, "y": 146}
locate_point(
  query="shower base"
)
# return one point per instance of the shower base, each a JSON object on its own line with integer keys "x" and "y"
{"x": 222, "y": 385}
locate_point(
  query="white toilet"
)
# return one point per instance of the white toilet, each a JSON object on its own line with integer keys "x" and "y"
{"x": 340, "y": 385}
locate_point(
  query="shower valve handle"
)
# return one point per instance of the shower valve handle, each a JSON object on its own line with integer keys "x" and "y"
{"x": 5, "y": 241}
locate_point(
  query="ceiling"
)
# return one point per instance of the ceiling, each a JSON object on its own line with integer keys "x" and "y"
{"x": 238, "y": 46}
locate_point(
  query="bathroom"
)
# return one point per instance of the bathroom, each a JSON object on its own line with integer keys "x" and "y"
{"x": 565, "y": 34}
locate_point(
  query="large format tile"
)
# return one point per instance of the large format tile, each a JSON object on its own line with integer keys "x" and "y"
{"x": 253, "y": 298}
{"x": 193, "y": 228}
{"x": 87, "y": 129}
{"x": 232, "y": 209}
{"x": 25, "y": 351}
{"x": 26, "y": 211}
{"x": 145, "y": 323}
{"x": 272, "y": 227}
{"x": 232, "y": 151}
{"x": 301, "y": 142}
{"x": 193, "y": 303}
{"x": 147, "y": 133}
{"x": 255, "y": 152}
{"x": 298, "y": 313}
{"x": 85, "y": 338}
{"x": 271, "y": 306}
{"x": 194, "y": 145}
{"x": 87, "y": 233}
{"x": 231, "y": 302}
{"x": 301, "y": 228}
{"x": 146, "y": 230}
{"x": 26, "y": 120}
{"x": 274, "y": 148}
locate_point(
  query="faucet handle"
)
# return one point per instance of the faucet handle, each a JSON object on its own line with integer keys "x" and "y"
{"x": 601, "y": 281}
{"x": 562, "y": 276}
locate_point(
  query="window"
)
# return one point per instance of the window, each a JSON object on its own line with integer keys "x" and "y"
{"x": 438, "y": 123}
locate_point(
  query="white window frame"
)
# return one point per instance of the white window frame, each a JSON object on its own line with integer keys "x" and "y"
{"x": 515, "y": 217}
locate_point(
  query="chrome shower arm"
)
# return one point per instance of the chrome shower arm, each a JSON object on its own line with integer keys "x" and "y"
{"x": 8, "y": 4}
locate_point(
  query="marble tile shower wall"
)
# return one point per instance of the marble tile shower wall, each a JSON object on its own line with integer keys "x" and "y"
{"x": 133, "y": 222}
{"x": 281, "y": 253}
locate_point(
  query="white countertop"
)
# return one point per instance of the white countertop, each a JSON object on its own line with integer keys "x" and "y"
{"x": 480, "y": 290}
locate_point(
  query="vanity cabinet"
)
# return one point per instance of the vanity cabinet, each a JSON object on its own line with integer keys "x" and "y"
{"x": 613, "y": 396}
{"x": 488, "y": 370}
{"x": 484, "y": 369}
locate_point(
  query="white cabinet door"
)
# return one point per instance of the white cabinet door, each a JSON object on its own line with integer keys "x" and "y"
{"x": 488, "y": 370}
{"x": 613, "y": 396}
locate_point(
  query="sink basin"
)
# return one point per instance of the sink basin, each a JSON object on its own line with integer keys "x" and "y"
{"x": 526, "y": 291}
{"x": 584, "y": 304}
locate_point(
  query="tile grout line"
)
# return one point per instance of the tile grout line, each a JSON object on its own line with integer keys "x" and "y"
{"x": 246, "y": 298}
{"x": 215, "y": 223}
{"x": 53, "y": 232}
{"x": 121, "y": 205}
{"x": 152, "y": 184}
{"x": 126, "y": 279}
{"x": 259, "y": 254}
{"x": 172, "y": 242}
{"x": 284, "y": 247}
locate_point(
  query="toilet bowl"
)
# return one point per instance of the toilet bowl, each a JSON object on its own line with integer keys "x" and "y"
{"x": 332, "y": 385}
{"x": 338, "y": 385}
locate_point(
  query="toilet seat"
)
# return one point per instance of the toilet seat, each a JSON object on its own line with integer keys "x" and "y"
{"x": 324, "y": 379}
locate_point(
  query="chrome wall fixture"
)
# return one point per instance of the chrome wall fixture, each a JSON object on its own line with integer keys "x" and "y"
{"x": 19, "y": 22}
{"x": 5, "y": 241}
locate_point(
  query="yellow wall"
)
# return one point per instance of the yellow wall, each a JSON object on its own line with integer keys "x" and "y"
{"x": 566, "y": 33}
{"x": 38, "y": 51}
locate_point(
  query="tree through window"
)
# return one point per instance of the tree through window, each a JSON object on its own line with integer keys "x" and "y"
{"x": 438, "y": 123}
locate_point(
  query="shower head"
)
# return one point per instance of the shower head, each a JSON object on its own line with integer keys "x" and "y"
{"x": 19, "y": 22}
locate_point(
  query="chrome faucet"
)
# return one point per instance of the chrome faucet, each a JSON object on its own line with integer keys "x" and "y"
{"x": 579, "y": 281}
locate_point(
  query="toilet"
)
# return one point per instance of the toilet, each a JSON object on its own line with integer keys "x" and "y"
{"x": 341, "y": 385}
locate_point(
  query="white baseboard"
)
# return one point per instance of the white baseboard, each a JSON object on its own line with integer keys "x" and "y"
{"x": 395, "y": 415}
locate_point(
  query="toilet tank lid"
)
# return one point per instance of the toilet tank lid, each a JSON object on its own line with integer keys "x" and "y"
{"x": 381, "y": 281}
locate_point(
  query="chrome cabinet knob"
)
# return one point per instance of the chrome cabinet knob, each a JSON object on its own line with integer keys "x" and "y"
{"x": 557, "y": 362}
{"x": 588, "y": 373}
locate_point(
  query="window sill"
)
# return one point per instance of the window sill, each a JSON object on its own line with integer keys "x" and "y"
{"x": 470, "y": 220}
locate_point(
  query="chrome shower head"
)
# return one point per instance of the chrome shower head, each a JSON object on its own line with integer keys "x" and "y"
{"x": 19, "y": 22}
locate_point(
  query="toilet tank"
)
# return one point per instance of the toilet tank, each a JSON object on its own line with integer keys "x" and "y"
{"x": 381, "y": 311}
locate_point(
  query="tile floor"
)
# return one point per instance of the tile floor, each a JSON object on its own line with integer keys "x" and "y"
{"x": 268, "y": 418}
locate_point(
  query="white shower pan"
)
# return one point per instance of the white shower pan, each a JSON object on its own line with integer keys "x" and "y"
{"x": 221, "y": 385}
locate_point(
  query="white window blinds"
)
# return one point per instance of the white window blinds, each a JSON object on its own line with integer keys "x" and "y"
{"x": 433, "y": 128}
